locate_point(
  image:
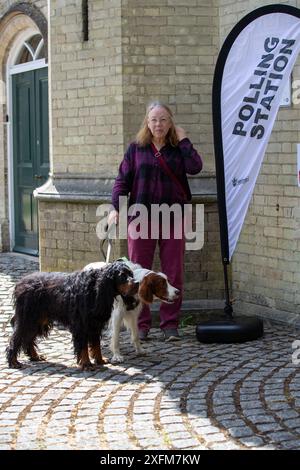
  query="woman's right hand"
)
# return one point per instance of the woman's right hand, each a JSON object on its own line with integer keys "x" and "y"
{"x": 113, "y": 217}
{"x": 181, "y": 134}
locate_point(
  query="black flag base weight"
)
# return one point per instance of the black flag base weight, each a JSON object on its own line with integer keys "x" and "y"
{"x": 230, "y": 330}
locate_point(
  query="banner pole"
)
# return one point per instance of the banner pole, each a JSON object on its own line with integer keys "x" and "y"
{"x": 228, "y": 310}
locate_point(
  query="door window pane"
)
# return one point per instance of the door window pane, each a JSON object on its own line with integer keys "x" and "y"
{"x": 32, "y": 49}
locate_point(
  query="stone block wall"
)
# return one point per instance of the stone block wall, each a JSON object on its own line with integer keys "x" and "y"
{"x": 68, "y": 239}
{"x": 203, "y": 268}
{"x": 86, "y": 88}
{"x": 169, "y": 52}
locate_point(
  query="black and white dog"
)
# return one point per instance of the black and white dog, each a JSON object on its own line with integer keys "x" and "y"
{"x": 82, "y": 301}
{"x": 152, "y": 285}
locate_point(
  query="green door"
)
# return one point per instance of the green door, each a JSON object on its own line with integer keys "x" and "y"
{"x": 30, "y": 153}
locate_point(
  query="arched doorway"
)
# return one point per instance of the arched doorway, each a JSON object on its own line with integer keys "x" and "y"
{"x": 28, "y": 137}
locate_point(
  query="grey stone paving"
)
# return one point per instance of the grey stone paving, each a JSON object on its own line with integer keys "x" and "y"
{"x": 183, "y": 395}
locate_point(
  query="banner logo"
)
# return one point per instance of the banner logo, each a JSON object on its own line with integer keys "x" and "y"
{"x": 236, "y": 182}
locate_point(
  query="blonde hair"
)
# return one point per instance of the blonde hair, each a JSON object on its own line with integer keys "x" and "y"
{"x": 144, "y": 135}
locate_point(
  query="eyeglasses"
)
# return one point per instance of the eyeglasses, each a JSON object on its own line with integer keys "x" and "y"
{"x": 162, "y": 120}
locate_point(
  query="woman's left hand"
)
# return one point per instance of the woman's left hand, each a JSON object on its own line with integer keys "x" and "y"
{"x": 181, "y": 134}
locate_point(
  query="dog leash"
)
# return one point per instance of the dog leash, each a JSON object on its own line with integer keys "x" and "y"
{"x": 107, "y": 239}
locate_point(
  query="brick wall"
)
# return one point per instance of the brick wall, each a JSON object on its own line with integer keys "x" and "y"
{"x": 86, "y": 87}
{"x": 169, "y": 51}
{"x": 68, "y": 239}
{"x": 266, "y": 264}
{"x": 136, "y": 52}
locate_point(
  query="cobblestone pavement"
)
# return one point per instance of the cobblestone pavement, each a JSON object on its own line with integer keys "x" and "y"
{"x": 183, "y": 395}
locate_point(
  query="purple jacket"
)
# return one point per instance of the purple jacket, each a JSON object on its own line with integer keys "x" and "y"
{"x": 141, "y": 176}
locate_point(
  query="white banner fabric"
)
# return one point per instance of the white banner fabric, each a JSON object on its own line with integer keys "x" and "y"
{"x": 298, "y": 164}
{"x": 257, "y": 68}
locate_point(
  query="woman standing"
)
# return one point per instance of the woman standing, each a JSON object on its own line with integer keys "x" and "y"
{"x": 154, "y": 171}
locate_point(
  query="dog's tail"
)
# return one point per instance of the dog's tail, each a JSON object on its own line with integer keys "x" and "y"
{"x": 21, "y": 291}
{"x": 26, "y": 301}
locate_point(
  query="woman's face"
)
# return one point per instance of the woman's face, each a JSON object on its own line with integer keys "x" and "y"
{"x": 159, "y": 122}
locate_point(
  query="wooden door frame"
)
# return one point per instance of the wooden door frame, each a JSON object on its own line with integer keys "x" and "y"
{"x": 12, "y": 70}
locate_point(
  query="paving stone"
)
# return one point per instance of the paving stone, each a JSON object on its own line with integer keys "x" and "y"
{"x": 291, "y": 444}
{"x": 268, "y": 427}
{"x": 281, "y": 436}
{"x": 252, "y": 442}
{"x": 216, "y": 437}
{"x": 240, "y": 432}
{"x": 286, "y": 414}
{"x": 293, "y": 423}
{"x": 225, "y": 446}
{"x": 185, "y": 443}
{"x": 204, "y": 430}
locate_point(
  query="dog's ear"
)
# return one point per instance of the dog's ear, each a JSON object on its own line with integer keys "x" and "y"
{"x": 145, "y": 292}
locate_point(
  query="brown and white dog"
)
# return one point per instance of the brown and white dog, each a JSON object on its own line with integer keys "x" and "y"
{"x": 152, "y": 286}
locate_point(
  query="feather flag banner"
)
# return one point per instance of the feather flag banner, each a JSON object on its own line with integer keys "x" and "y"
{"x": 252, "y": 70}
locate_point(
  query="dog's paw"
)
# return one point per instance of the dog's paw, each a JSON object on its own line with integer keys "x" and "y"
{"x": 38, "y": 358}
{"x": 141, "y": 352}
{"x": 100, "y": 362}
{"x": 87, "y": 366}
{"x": 15, "y": 365}
{"x": 117, "y": 358}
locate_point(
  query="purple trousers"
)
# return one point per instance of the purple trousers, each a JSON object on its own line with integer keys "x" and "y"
{"x": 171, "y": 253}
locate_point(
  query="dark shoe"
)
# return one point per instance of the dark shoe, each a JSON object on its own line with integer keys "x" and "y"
{"x": 143, "y": 335}
{"x": 171, "y": 335}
